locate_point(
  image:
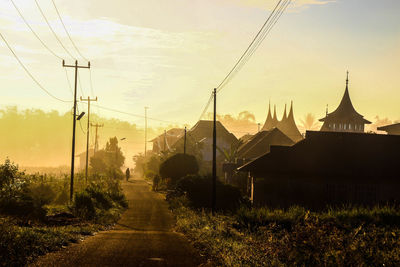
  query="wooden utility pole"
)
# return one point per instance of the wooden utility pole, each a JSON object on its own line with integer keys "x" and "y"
{"x": 145, "y": 131}
{"x": 87, "y": 135}
{"x": 214, "y": 166}
{"x": 184, "y": 143}
{"x": 76, "y": 66}
{"x": 96, "y": 142}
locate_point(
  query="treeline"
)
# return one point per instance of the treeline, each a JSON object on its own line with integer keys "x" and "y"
{"x": 33, "y": 137}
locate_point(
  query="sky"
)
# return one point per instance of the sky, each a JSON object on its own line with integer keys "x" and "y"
{"x": 169, "y": 55}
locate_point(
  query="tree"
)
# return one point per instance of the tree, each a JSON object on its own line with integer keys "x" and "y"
{"x": 309, "y": 122}
{"x": 109, "y": 161}
{"x": 178, "y": 166}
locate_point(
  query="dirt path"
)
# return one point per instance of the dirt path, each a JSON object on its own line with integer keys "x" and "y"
{"x": 142, "y": 237}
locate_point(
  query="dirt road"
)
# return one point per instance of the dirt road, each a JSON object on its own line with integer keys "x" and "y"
{"x": 142, "y": 237}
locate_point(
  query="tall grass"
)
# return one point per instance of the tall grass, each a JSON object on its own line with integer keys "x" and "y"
{"x": 295, "y": 237}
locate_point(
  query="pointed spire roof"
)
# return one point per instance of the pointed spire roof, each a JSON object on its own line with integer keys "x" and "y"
{"x": 345, "y": 111}
{"x": 274, "y": 118}
{"x": 269, "y": 122}
{"x": 288, "y": 125}
{"x": 284, "y": 117}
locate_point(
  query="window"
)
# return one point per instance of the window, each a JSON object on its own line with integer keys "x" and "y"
{"x": 344, "y": 126}
{"x": 349, "y": 126}
{"x": 334, "y": 126}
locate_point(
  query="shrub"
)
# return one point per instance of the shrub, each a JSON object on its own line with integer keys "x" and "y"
{"x": 198, "y": 190}
{"x": 178, "y": 166}
{"x": 83, "y": 206}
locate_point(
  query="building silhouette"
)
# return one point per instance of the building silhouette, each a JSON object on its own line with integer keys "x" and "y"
{"x": 328, "y": 168}
{"x": 345, "y": 118}
{"x": 393, "y": 129}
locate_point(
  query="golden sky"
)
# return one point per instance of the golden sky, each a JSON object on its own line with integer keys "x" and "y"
{"x": 168, "y": 55}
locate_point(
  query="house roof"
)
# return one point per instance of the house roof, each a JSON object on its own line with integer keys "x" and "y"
{"x": 334, "y": 154}
{"x": 390, "y": 128}
{"x": 260, "y": 144}
{"x": 345, "y": 112}
{"x": 288, "y": 126}
{"x": 270, "y": 122}
{"x": 204, "y": 129}
{"x": 173, "y": 132}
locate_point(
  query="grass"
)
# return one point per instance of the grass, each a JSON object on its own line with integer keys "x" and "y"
{"x": 22, "y": 244}
{"x": 295, "y": 237}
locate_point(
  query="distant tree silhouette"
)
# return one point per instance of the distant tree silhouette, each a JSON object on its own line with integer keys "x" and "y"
{"x": 108, "y": 161}
{"x": 309, "y": 123}
{"x": 178, "y": 166}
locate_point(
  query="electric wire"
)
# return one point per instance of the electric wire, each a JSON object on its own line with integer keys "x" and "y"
{"x": 52, "y": 30}
{"x": 29, "y": 73}
{"x": 267, "y": 26}
{"x": 65, "y": 28}
{"x": 207, "y": 105}
{"x": 69, "y": 82}
{"x": 132, "y": 114}
{"x": 33, "y": 31}
{"x": 272, "y": 23}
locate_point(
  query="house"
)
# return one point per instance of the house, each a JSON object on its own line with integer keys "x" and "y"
{"x": 261, "y": 142}
{"x": 82, "y": 158}
{"x": 202, "y": 133}
{"x": 345, "y": 118}
{"x": 286, "y": 125}
{"x": 328, "y": 168}
{"x": 391, "y": 129}
{"x": 166, "y": 140}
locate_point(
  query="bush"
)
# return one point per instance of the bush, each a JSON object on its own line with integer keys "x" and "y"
{"x": 99, "y": 201}
{"x": 178, "y": 166}
{"x": 83, "y": 206}
{"x": 198, "y": 190}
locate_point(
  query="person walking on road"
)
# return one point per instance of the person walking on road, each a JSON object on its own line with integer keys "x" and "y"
{"x": 128, "y": 174}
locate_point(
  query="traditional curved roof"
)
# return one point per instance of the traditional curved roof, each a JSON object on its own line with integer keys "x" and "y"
{"x": 288, "y": 125}
{"x": 345, "y": 112}
{"x": 270, "y": 122}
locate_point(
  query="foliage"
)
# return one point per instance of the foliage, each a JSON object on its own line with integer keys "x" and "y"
{"x": 98, "y": 200}
{"x": 309, "y": 123}
{"x": 178, "y": 166}
{"x": 198, "y": 190}
{"x": 35, "y": 217}
{"x": 21, "y": 244}
{"x": 295, "y": 237}
{"x": 231, "y": 154}
{"x": 109, "y": 161}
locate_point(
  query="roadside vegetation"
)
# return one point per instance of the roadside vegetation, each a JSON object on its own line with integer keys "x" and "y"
{"x": 293, "y": 237}
{"x": 36, "y": 215}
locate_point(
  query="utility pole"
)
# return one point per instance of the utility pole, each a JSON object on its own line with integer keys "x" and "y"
{"x": 96, "y": 143}
{"x": 214, "y": 167}
{"x": 184, "y": 143}
{"x": 145, "y": 131}
{"x": 87, "y": 135}
{"x": 76, "y": 66}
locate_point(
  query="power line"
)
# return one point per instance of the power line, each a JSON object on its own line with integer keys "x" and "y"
{"x": 29, "y": 73}
{"x": 206, "y": 107}
{"x": 65, "y": 28}
{"x": 264, "y": 34}
{"x": 52, "y": 30}
{"x": 34, "y": 33}
{"x": 268, "y": 24}
{"x": 134, "y": 115}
